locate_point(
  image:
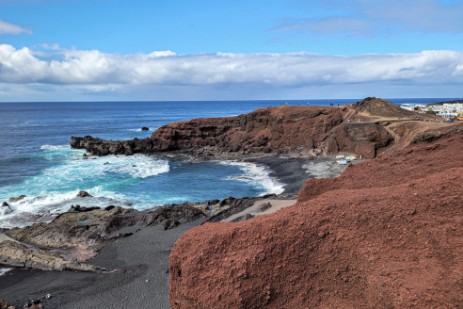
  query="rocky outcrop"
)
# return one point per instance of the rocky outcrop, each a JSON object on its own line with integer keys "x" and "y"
{"x": 102, "y": 147}
{"x": 20, "y": 255}
{"x": 296, "y": 130}
{"x": 77, "y": 235}
{"x": 172, "y": 215}
{"x": 77, "y": 228}
{"x": 385, "y": 234}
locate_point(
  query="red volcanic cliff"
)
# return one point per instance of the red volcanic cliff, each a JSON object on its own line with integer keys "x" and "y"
{"x": 298, "y": 130}
{"x": 387, "y": 233}
{"x": 281, "y": 129}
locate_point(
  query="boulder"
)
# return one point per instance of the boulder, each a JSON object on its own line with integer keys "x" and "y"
{"x": 172, "y": 215}
{"x": 17, "y": 199}
{"x": 84, "y": 194}
{"x": 145, "y": 129}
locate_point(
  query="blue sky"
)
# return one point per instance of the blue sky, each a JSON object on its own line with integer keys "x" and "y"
{"x": 182, "y": 50}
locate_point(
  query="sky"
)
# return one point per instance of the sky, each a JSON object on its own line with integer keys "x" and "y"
{"x": 105, "y": 50}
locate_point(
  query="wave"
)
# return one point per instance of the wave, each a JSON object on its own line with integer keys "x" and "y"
{"x": 55, "y": 147}
{"x": 47, "y": 205}
{"x": 137, "y": 165}
{"x": 55, "y": 188}
{"x": 256, "y": 175}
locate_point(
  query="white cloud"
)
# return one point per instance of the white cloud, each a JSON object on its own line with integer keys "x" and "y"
{"x": 368, "y": 18}
{"x": 91, "y": 71}
{"x": 8, "y": 28}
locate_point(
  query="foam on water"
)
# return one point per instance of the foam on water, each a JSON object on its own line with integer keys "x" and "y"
{"x": 55, "y": 147}
{"x": 55, "y": 188}
{"x": 256, "y": 175}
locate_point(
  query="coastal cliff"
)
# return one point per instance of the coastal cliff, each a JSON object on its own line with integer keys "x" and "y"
{"x": 359, "y": 129}
{"x": 386, "y": 233}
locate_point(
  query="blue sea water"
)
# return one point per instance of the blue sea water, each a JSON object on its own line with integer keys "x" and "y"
{"x": 35, "y": 159}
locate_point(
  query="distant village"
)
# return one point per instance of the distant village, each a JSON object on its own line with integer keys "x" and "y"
{"x": 448, "y": 110}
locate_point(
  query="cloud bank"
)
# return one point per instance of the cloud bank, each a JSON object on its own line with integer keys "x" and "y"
{"x": 92, "y": 71}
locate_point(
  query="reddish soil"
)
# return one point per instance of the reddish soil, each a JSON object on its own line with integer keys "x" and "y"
{"x": 388, "y": 233}
{"x": 381, "y": 108}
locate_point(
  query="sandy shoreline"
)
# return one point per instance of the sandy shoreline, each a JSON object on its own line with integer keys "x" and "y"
{"x": 141, "y": 278}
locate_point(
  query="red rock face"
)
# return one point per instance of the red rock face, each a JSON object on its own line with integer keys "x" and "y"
{"x": 282, "y": 129}
{"x": 388, "y": 233}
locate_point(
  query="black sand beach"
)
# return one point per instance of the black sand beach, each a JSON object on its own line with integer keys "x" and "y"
{"x": 139, "y": 262}
{"x": 140, "y": 278}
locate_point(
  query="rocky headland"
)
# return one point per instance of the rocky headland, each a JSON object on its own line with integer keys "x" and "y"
{"x": 364, "y": 129}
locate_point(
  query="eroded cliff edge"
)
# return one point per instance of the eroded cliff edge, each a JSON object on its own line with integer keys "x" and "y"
{"x": 360, "y": 129}
{"x": 387, "y": 233}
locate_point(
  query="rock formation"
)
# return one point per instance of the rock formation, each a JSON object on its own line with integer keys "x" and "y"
{"x": 297, "y": 130}
{"x": 387, "y": 233}
{"x": 75, "y": 236}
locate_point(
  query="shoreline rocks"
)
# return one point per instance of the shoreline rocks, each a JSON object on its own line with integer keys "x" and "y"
{"x": 80, "y": 233}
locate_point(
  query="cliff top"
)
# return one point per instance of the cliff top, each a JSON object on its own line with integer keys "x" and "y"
{"x": 380, "y": 108}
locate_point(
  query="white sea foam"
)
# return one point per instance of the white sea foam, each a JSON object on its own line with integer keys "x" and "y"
{"x": 137, "y": 165}
{"x": 78, "y": 168}
{"x": 256, "y": 175}
{"x": 55, "y": 189}
{"x": 55, "y": 147}
{"x": 46, "y": 205}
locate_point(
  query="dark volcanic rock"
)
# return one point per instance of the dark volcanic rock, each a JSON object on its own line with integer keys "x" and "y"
{"x": 100, "y": 147}
{"x": 83, "y": 194}
{"x": 145, "y": 129}
{"x": 79, "y": 233}
{"x": 17, "y": 199}
{"x": 78, "y": 208}
{"x": 172, "y": 215}
{"x": 81, "y": 227}
{"x": 19, "y": 255}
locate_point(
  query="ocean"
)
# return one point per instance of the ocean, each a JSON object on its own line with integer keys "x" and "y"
{"x": 36, "y": 160}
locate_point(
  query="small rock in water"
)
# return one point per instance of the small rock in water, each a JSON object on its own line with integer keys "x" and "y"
{"x": 16, "y": 199}
{"x": 6, "y": 209}
{"x": 84, "y": 194}
{"x": 145, "y": 129}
